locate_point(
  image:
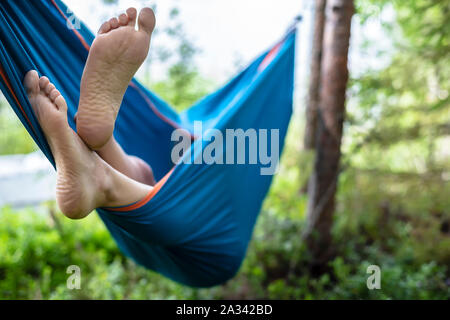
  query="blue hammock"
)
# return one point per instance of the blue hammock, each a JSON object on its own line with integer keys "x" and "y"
{"x": 195, "y": 226}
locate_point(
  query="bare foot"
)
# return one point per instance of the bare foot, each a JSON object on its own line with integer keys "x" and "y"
{"x": 84, "y": 180}
{"x": 116, "y": 54}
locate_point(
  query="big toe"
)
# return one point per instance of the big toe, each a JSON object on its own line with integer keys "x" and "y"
{"x": 146, "y": 20}
{"x": 31, "y": 82}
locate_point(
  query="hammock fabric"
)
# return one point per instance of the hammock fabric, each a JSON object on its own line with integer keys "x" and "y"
{"x": 195, "y": 225}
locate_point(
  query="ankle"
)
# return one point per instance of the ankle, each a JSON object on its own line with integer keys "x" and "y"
{"x": 108, "y": 147}
{"x": 106, "y": 194}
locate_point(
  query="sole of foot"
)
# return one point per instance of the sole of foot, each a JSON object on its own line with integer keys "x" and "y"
{"x": 82, "y": 177}
{"x": 115, "y": 55}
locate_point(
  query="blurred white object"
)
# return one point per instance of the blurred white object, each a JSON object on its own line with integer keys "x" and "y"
{"x": 26, "y": 180}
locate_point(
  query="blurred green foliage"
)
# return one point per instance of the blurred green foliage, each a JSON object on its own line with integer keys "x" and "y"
{"x": 412, "y": 252}
{"x": 392, "y": 203}
{"x": 13, "y": 136}
{"x": 183, "y": 85}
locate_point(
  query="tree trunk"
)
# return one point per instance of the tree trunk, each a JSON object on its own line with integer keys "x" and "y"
{"x": 334, "y": 76}
{"x": 314, "y": 77}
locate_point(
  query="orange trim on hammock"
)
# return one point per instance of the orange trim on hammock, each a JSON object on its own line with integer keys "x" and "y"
{"x": 8, "y": 84}
{"x": 270, "y": 56}
{"x": 147, "y": 198}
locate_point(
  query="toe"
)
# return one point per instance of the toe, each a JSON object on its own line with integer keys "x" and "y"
{"x": 49, "y": 88}
{"x": 43, "y": 82}
{"x": 114, "y": 23}
{"x": 123, "y": 20}
{"x": 105, "y": 27}
{"x": 132, "y": 14}
{"x": 31, "y": 82}
{"x": 60, "y": 102}
{"x": 146, "y": 20}
{"x": 54, "y": 94}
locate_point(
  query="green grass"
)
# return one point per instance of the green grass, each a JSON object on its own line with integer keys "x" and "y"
{"x": 411, "y": 249}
